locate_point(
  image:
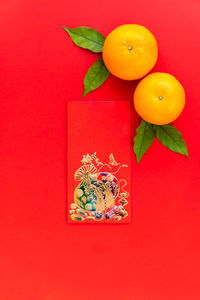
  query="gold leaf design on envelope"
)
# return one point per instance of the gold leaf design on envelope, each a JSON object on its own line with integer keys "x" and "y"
{"x": 84, "y": 171}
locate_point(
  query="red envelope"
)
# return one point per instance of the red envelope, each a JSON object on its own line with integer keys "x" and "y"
{"x": 99, "y": 162}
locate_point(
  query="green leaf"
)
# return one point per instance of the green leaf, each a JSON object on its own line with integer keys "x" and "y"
{"x": 95, "y": 76}
{"x": 143, "y": 139}
{"x": 171, "y": 138}
{"x": 86, "y": 38}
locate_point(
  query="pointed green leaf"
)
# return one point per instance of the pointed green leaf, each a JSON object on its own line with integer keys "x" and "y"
{"x": 86, "y": 38}
{"x": 95, "y": 76}
{"x": 143, "y": 139}
{"x": 171, "y": 138}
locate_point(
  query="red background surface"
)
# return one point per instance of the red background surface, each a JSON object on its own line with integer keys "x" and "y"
{"x": 43, "y": 257}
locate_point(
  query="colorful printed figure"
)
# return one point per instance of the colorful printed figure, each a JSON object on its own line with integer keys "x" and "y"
{"x": 97, "y": 193}
{"x": 116, "y": 210}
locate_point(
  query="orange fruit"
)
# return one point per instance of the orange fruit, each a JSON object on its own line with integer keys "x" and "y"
{"x": 130, "y": 51}
{"x": 159, "y": 98}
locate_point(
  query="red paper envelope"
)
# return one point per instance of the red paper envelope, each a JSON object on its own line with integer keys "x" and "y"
{"x": 99, "y": 162}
